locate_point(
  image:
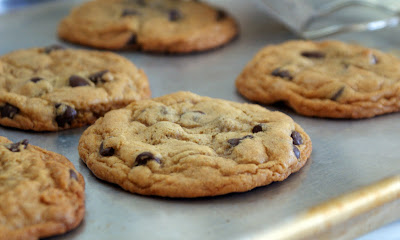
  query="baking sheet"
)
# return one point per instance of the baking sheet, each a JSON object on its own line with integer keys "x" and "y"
{"x": 347, "y": 154}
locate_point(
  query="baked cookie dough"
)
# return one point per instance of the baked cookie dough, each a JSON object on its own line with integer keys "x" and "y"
{"x": 41, "y": 193}
{"x": 52, "y": 88}
{"x": 324, "y": 79}
{"x": 172, "y": 26}
{"x": 185, "y": 145}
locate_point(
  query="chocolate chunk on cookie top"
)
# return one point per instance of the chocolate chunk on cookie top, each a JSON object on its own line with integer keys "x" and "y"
{"x": 41, "y": 193}
{"x": 185, "y": 145}
{"x": 324, "y": 79}
{"x": 54, "y": 88}
{"x": 172, "y": 26}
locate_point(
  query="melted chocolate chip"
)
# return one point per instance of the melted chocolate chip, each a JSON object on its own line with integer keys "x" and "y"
{"x": 51, "y": 48}
{"x": 8, "y": 111}
{"x": 66, "y": 117}
{"x": 174, "y": 15}
{"x": 313, "y": 54}
{"x": 282, "y": 74}
{"x": 129, "y": 12}
{"x": 72, "y": 175}
{"x": 77, "y": 81}
{"x": 132, "y": 40}
{"x": 144, "y": 157}
{"x": 257, "y": 128}
{"x": 296, "y": 152}
{"x": 106, "y": 152}
{"x": 297, "y": 139}
{"x": 36, "y": 79}
{"x": 14, "y": 147}
{"x": 337, "y": 94}
{"x": 98, "y": 77}
{"x": 221, "y": 15}
{"x": 235, "y": 141}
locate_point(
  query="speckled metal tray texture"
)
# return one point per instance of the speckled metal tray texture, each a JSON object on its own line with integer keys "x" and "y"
{"x": 347, "y": 154}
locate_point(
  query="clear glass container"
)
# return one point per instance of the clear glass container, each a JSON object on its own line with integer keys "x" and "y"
{"x": 319, "y": 18}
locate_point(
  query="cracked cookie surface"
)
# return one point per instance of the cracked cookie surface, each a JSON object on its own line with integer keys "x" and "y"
{"x": 185, "y": 145}
{"x": 174, "y": 26}
{"x": 52, "y": 88}
{"x": 41, "y": 193}
{"x": 324, "y": 79}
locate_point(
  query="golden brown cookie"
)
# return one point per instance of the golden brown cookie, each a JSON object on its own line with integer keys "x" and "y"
{"x": 41, "y": 193}
{"x": 324, "y": 79}
{"x": 174, "y": 26}
{"x": 51, "y": 88}
{"x": 185, "y": 145}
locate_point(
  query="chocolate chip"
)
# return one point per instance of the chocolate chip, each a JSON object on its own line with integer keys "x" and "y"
{"x": 144, "y": 157}
{"x": 129, "y": 12}
{"x": 297, "y": 139}
{"x": 141, "y": 3}
{"x": 106, "y": 152}
{"x": 282, "y": 74}
{"x": 77, "y": 81}
{"x": 195, "y": 115}
{"x": 98, "y": 77}
{"x": 201, "y": 112}
{"x": 36, "y": 79}
{"x": 174, "y": 15}
{"x": 257, "y": 128}
{"x": 9, "y": 111}
{"x": 52, "y": 48}
{"x": 65, "y": 117}
{"x": 235, "y": 141}
{"x": 164, "y": 110}
{"x": 25, "y": 142}
{"x": 221, "y": 15}
{"x": 72, "y": 175}
{"x": 337, "y": 94}
{"x": 296, "y": 152}
{"x": 374, "y": 59}
{"x": 14, "y": 147}
{"x": 313, "y": 54}
{"x": 132, "y": 40}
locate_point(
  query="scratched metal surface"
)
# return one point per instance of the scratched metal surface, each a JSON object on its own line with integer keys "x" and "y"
{"x": 347, "y": 155}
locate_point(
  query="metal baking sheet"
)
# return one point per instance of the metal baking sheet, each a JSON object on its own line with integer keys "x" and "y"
{"x": 347, "y": 154}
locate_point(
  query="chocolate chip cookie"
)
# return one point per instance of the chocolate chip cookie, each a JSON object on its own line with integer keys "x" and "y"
{"x": 185, "y": 145}
{"x": 41, "y": 193}
{"x": 52, "y": 88}
{"x": 174, "y": 26}
{"x": 324, "y": 79}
